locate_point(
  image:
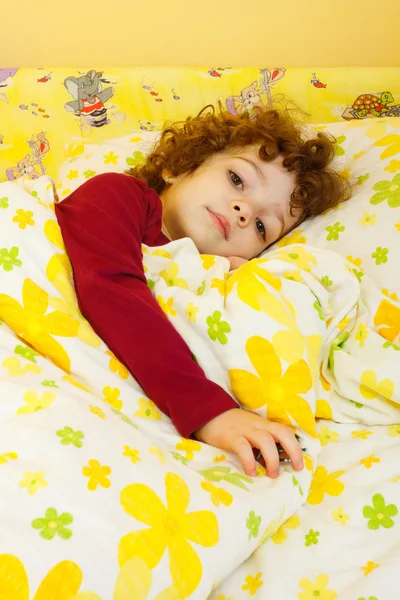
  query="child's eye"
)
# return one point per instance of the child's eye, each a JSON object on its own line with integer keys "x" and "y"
{"x": 260, "y": 228}
{"x": 235, "y": 179}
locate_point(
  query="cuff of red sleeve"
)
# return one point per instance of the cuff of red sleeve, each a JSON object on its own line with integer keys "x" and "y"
{"x": 188, "y": 421}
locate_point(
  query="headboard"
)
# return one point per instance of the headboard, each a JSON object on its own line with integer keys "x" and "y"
{"x": 44, "y": 111}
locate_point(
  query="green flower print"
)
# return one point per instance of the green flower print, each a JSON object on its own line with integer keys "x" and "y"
{"x": 54, "y": 524}
{"x": 334, "y": 231}
{"x": 123, "y": 417}
{"x": 380, "y": 255}
{"x": 217, "y": 328}
{"x": 295, "y": 482}
{"x": 391, "y": 345}
{"x": 178, "y": 456}
{"x": 326, "y": 281}
{"x": 369, "y": 598}
{"x": 379, "y": 514}
{"x": 318, "y": 308}
{"x": 4, "y": 202}
{"x": 358, "y": 274}
{"x": 311, "y": 537}
{"x": 136, "y": 160}
{"x": 201, "y": 289}
{"x": 49, "y": 383}
{"x": 337, "y": 344}
{"x": 338, "y": 149}
{"x": 89, "y": 173}
{"x": 8, "y": 258}
{"x": 69, "y": 436}
{"x": 253, "y": 524}
{"x": 387, "y": 190}
{"x": 26, "y": 352}
{"x": 362, "y": 178}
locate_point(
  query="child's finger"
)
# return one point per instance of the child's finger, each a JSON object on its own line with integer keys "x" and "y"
{"x": 292, "y": 448}
{"x": 269, "y": 451}
{"x": 243, "y": 449}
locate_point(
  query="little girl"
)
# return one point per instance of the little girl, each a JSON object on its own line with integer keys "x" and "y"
{"x": 234, "y": 185}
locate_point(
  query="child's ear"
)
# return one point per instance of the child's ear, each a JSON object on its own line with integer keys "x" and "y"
{"x": 168, "y": 178}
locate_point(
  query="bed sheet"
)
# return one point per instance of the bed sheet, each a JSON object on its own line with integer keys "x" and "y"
{"x": 343, "y": 543}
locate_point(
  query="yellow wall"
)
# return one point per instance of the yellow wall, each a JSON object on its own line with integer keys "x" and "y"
{"x": 200, "y": 32}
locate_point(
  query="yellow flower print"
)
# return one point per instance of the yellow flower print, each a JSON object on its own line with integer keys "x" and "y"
{"x": 368, "y": 220}
{"x": 324, "y": 483}
{"x": 278, "y": 393}
{"x": 280, "y": 536}
{"x": 166, "y": 306}
{"x": 111, "y": 158}
{"x": 398, "y": 226}
{"x": 218, "y": 495}
{"x": 169, "y": 528}
{"x": 97, "y": 475}
{"x": 5, "y": 458}
{"x": 369, "y": 461}
{"x": 298, "y": 256}
{"x": 76, "y": 383}
{"x": 188, "y": 446}
{"x": 14, "y": 580}
{"x": 369, "y": 567}
{"x": 219, "y": 284}
{"x": 362, "y": 334}
{"x": 223, "y": 597}
{"x": 345, "y": 173}
{"x": 219, "y": 458}
{"x": 294, "y": 276}
{"x": 393, "y": 430}
{"x": 392, "y": 141}
{"x": 343, "y": 323}
{"x": 111, "y": 396}
{"x": 171, "y": 277}
{"x": 33, "y": 481}
{"x": 388, "y": 315}
{"x": 16, "y": 369}
{"x": 323, "y": 410}
{"x": 354, "y": 261}
{"x": 370, "y": 388}
{"x": 191, "y": 312}
{"x": 273, "y": 526}
{"x": 73, "y": 174}
{"x": 208, "y": 261}
{"x": 159, "y": 453}
{"x": 252, "y": 583}
{"x": 260, "y": 471}
{"x": 308, "y": 463}
{"x": 160, "y": 252}
{"x": 253, "y": 292}
{"x": 133, "y": 454}
{"x": 393, "y": 166}
{"x": 96, "y": 410}
{"x": 147, "y": 410}
{"x": 339, "y": 516}
{"x": 32, "y": 324}
{"x": 390, "y": 295}
{"x": 318, "y": 588}
{"x": 24, "y": 218}
{"x": 116, "y": 366}
{"x": 35, "y": 403}
{"x": 363, "y": 434}
{"x": 295, "y": 237}
{"x": 326, "y": 436}
{"x": 395, "y": 479}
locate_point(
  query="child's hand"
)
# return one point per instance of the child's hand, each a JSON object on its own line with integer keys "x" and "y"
{"x": 240, "y": 431}
{"x": 236, "y": 262}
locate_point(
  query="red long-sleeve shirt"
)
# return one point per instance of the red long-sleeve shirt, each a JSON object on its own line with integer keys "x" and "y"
{"x": 103, "y": 224}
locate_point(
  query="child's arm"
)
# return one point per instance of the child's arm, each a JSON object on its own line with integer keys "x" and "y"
{"x": 104, "y": 223}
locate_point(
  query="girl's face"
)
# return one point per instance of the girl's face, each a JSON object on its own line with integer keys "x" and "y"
{"x": 234, "y": 204}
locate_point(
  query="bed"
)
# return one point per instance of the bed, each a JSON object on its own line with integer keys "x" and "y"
{"x": 100, "y": 497}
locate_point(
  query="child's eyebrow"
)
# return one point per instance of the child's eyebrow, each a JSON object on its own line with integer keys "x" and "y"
{"x": 257, "y": 169}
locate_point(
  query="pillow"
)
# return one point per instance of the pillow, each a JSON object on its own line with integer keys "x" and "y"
{"x": 117, "y": 155}
{"x": 366, "y": 228}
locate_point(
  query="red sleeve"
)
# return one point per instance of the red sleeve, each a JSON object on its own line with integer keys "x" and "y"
{"x": 103, "y": 224}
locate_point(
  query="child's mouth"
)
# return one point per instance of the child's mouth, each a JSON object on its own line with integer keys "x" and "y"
{"x": 221, "y": 223}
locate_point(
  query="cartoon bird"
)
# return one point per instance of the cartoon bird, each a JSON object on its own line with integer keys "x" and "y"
{"x": 214, "y": 73}
{"x": 44, "y": 79}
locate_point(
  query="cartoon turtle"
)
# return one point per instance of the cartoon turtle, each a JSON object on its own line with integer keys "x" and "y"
{"x": 374, "y": 105}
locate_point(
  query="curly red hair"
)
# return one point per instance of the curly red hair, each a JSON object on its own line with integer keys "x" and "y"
{"x": 183, "y": 146}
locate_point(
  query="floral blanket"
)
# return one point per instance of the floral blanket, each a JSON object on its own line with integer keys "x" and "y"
{"x": 100, "y": 496}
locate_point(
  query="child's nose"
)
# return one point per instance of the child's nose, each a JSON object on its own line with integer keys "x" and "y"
{"x": 243, "y": 212}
